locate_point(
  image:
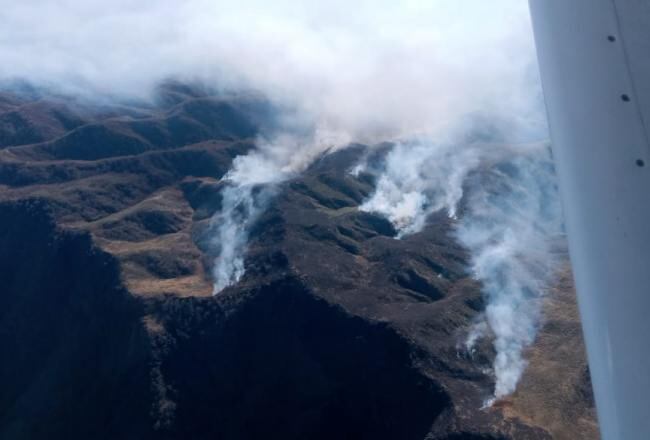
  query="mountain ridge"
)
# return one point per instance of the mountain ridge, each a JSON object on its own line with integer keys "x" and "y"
{"x": 336, "y": 330}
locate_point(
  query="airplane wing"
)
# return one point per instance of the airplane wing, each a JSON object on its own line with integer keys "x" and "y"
{"x": 594, "y": 58}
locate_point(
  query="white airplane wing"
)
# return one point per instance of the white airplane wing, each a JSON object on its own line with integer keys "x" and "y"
{"x": 594, "y": 58}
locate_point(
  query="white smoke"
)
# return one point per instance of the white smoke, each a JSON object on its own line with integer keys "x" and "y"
{"x": 250, "y": 185}
{"x": 240, "y": 208}
{"x": 510, "y": 218}
{"x": 510, "y": 228}
{"x": 420, "y": 178}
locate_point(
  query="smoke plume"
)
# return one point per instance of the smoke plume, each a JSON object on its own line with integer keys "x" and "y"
{"x": 512, "y": 222}
{"x": 509, "y": 219}
{"x": 251, "y": 183}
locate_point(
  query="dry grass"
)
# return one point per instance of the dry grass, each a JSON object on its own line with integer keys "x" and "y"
{"x": 189, "y": 286}
{"x": 554, "y": 392}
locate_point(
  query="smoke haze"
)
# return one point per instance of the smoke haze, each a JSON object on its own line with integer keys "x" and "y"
{"x": 377, "y": 70}
{"x": 453, "y": 83}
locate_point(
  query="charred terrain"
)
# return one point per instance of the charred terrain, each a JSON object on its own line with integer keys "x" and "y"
{"x": 108, "y": 326}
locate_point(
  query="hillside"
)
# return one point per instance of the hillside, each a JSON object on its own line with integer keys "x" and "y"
{"x": 108, "y": 326}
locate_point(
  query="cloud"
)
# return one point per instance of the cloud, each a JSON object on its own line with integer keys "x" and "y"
{"x": 373, "y": 70}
